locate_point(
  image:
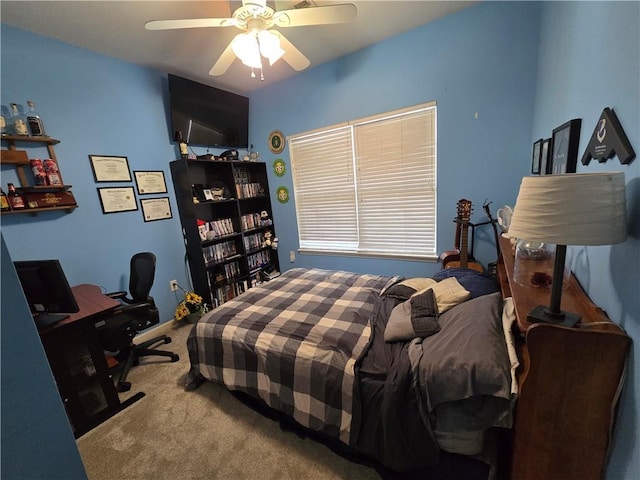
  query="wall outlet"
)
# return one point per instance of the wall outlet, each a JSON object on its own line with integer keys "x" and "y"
{"x": 292, "y": 256}
{"x": 173, "y": 285}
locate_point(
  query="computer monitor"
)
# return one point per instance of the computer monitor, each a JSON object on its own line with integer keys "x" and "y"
{"x": 47, "y": 290}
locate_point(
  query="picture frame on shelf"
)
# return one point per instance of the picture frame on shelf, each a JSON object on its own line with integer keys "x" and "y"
{"x": 536, "y": 156}
{"x": 110, "y": 168}
{"x": 564, "y": 147}
{"x": 544, "y": 156}
{"x": 207, "y": 194}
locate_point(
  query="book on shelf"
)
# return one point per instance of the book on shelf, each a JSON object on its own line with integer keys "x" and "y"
{"x": 250, "y": 221}
{"x": 221, "y": 227}
{"x": 219, "y": 252}
{"x": 225, "y": 293}
{"x": 249, "y": 190}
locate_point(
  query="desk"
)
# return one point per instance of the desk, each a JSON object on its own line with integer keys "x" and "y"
{"x": 78, "y": 363}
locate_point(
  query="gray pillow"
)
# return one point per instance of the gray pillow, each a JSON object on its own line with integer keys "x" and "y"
{"x": 416, "y": 317}
{"x": 468, "y": 357}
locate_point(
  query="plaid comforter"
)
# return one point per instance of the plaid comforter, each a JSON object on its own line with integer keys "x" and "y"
{"x": 293, "y": 342}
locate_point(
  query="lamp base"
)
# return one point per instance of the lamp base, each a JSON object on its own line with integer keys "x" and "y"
{"x": 542, "y": 314}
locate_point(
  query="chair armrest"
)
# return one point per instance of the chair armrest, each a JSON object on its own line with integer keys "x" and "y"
{"x": 116, "y": 295}
{"x": 144, "y": 307}
{"x": 122, "y": 296}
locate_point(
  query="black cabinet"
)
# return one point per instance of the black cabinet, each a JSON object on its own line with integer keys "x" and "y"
{"x": 225, "y": 212}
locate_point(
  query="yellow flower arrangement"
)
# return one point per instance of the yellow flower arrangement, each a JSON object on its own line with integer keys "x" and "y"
{"x": 192, "y": 303}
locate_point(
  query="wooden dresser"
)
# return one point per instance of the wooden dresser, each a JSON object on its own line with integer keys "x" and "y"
{"x": 570, "y": 381}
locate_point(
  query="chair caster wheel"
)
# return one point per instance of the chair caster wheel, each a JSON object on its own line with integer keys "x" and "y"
{"x": 124, "y": 386}
{"x": 175, "y": 358}
{"x": 167, "y": 340}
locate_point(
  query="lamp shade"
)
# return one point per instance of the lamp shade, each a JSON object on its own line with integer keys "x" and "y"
{"x": 571, "y": 209}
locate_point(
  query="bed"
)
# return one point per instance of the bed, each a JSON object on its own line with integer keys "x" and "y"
{"x": 398, "y": 370}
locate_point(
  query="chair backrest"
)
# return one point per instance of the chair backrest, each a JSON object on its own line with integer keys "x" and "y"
{"x": 143, "y": 270}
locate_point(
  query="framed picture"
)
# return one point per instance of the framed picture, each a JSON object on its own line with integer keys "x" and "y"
{"x": 207, "y": 194}
{"x": 155, "y": 209}
{"x": 150, "y": 181}
{"x": 108, "y": 168}
{"x": 544, "y": 156}
{"x": 564, "y": 147}
{"x": 117, "y": 199}
{"x": 535, "y": 159}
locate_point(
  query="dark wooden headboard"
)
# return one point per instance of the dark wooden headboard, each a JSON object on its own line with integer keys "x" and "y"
{"x": 570, "y": 381}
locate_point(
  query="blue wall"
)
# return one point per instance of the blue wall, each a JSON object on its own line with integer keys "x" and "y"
{"x": 481, "y": 60}
{"x": 590, "y": 59}
{"x": 506, "y": 61}
{"x": 94, "y": 105}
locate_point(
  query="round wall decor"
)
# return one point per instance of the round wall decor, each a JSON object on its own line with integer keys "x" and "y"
{"x": 279, "y": 167}
{"x": 276, "y": 141}
{"x": 282, "y": 194}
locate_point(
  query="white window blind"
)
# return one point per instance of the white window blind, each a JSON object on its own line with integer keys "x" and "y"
{"x": 368, "y": 187}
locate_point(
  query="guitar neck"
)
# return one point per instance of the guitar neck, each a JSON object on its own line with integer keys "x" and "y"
{"x": 464, "y": 232}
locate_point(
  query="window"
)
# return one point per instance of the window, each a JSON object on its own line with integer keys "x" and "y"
{"x": 368, "y": 187}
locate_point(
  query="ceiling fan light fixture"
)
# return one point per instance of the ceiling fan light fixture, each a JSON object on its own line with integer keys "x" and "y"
{"x": 245, "y": 46}
{"x": 270, "y": 46}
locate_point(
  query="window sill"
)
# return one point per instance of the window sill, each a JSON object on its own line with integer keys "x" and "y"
{"x": 386, "y": 256}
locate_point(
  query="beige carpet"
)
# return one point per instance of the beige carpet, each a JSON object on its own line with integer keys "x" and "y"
{"x": 208, "y": 434}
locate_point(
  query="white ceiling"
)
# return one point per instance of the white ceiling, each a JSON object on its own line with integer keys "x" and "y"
{"x": 116, "y": 28}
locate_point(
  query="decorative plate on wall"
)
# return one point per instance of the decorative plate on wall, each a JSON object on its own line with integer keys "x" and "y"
{"x": 279, "y": 167}
{"x": 283, "y": 194}
{"x": 276, "y": 141}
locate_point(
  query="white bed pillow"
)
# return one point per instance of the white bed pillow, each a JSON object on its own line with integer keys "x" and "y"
{"x": 448, "y": 292}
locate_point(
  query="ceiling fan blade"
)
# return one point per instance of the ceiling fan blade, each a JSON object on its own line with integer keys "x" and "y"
{"x": 190, "y": 23}
{"x": 292, "y": 55}
{"x": 316, "y": 15}
{"x": 223, "y": 63}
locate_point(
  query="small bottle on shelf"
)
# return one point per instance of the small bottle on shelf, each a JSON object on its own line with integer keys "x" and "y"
{"x": 33, "y": 120}
{"x": 4, "y": 121}
{"x": 184, "y": 149}
{"x": 16, "y": 200}
{"x": 4, "y": 201}
{"x": 18, "y": 122}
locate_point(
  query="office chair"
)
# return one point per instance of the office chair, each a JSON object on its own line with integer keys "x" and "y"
{"x": 135, "y": 314}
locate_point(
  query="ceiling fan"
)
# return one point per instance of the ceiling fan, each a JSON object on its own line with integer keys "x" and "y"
{"x": 256, "y": 19}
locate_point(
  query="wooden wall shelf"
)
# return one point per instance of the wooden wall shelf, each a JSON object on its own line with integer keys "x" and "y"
{"x": 20, "y": 160}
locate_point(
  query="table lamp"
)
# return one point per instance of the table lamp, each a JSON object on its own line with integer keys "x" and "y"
{"x": 569, "y": 209}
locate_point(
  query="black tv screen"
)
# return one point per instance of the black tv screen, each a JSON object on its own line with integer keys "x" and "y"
{"x": 207, "y": 116}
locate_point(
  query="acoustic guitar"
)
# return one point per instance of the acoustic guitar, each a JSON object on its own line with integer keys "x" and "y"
{"x": 461, "y": 259}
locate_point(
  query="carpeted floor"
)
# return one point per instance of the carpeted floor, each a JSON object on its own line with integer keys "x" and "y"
{"x": 206, "y": 434}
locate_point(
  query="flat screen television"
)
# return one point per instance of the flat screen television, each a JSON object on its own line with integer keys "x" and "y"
{"x": 47, "y": 290}
{"x": 207, "y": 116}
